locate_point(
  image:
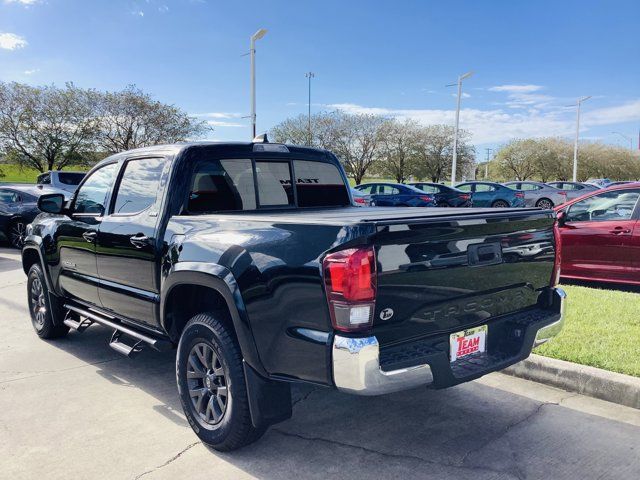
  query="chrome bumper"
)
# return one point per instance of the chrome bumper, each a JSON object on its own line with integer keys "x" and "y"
{"x": 356, "y": 361}
{"x": 547, "y": 333}
{"x": 356, "y": 369}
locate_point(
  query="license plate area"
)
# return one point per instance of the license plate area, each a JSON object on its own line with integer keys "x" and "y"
{"x": 467, "y": 342}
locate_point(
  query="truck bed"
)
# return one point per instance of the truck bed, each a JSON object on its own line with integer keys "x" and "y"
{"x": 355, "y": 215}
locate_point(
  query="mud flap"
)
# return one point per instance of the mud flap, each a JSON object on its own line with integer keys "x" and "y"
{"x": 269, "y": 401}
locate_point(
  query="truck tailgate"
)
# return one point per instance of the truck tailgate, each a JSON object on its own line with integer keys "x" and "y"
{"x": 443, "y": 274}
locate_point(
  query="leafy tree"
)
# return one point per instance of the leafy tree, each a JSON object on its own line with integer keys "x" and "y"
{"x": 435, "y": 155}
{"x": 46, "y": 128}
{"x": 400, "y": 149}
{"x": 355, "y": 139}
{"x": 131, "y": 119}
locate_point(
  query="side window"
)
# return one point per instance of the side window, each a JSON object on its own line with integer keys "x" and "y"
{"x": 368, "y": 189}
{"x": 222, "y": 185}
{"x": 274, "y": 184}
{"x": 528, "y": 187}
{"x": 617, "y": 205}
{"x": 387, "y": 190}
{"x": 428, "y": 188}
{"x": 319, "y": 184}
{"x": 44, "y": 179}
{"x": 139, "y": 186}
{"x": 92, "y": 193}
{"x": 8, "y": 197}
{"x": 483, "y": 187}
{"x": 465, "y": 187}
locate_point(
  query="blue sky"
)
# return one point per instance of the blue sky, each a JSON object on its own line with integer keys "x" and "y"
{"x": 531, "y": 59}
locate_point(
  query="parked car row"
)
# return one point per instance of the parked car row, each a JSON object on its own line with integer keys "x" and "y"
{"x": 18, "y": 202}
{"x": 473, "y": 194}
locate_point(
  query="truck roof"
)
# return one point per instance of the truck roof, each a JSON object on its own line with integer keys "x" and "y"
{"x": 228, "y": 148}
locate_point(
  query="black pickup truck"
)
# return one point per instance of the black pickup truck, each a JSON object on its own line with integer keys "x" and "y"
{"x": 252, "y": 260}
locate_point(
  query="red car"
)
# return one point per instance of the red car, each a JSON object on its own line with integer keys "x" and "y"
{"x": 601, "y": 235}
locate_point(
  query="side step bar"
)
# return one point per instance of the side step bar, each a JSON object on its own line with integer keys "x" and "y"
{"x": 88, "y": 317}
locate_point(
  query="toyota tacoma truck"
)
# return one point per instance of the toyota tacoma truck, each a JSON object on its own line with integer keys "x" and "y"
{"x": 253, "y": 262}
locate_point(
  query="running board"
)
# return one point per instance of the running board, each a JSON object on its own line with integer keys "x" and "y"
{"x": 88, "y": 317}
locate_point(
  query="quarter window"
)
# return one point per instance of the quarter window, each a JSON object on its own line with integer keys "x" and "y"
{"x": 482, "y": 187}
{"x": 93, "y": 192}
{"x": 616, "y": 205}
{"x": 139, "y": 186}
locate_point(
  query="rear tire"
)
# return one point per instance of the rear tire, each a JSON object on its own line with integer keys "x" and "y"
{"x": 500, "y": 204}
{"x": 211, "y": 385}
{"x": 41, "y": 308}
{"x": 545, "y": 204}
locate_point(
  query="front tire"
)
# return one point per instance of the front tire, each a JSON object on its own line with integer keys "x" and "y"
{"x": 211, "y": 384}
{"x": 41, "y": 309}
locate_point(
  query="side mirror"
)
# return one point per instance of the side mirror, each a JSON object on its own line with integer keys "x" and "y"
{"x": 51, "y": 203}
{"x": 562, "y": 218}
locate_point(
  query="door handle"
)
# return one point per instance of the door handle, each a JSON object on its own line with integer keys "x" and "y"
{"x": 139, "y": 240}
{"x": 619, "y": 230}
{"x": 90, "y": 236}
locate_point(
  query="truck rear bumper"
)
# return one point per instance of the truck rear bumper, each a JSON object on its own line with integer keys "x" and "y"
{"x": 362, "y": 367}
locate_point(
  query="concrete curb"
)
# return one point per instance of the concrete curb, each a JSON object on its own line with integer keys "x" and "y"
{"x": 594, "y": 382}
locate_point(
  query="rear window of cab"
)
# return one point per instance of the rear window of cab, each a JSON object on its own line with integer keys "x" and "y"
{"x": 227, "y": 185}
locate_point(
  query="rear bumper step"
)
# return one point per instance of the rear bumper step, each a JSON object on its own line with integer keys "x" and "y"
{"x": 88, "y": 317}
{"x": 362, "y": 367}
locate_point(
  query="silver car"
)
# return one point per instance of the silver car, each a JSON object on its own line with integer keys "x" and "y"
{"x": 538, "y": 194}
{"x": 574, "y": 189}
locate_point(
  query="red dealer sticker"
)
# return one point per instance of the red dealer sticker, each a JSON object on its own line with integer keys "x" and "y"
{"x": 467, "y": 342}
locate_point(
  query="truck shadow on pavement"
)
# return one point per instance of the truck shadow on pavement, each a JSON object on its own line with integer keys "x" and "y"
{"x": 469, "y": 431}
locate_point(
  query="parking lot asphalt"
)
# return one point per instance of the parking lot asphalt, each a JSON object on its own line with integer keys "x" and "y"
{"x": 74, "y": 408}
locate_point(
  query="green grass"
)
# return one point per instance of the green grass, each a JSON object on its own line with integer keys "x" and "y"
{"x": 15, "y": 174}
{"x": 602, "y": 330}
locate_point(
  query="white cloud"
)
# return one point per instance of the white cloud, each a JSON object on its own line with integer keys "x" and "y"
{"x": 23, "y": 2}
{"x": 516, "y": 88}
{"x": 219, "y": 123}
{"x": 499, "y": 125}
{"x": 627, "y": 112}
{"x": 11, "y": 41}
{"x": 464, "y": 95}
{"x": 217, "y": 115}
{"x": 138, "y": 13}
{"x": 163, "y": 9}
{"x": 32, "y": 71}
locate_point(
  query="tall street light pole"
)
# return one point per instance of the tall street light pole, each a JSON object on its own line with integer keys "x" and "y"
{"x": 575, "y": 145}
{"x": 309, "y": 75}
{"x": 628, "y": 139}
{"x": 455, "y": 135}
{"x": 252, "y": 53}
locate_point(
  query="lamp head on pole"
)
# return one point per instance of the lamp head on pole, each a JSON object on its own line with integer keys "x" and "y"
{"x": 584, "y": 99}
{"x": 259, "y": 34}
{"x": 466, "y": 75}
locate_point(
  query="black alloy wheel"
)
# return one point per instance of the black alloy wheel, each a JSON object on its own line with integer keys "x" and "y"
{"x": 207, "y": 379}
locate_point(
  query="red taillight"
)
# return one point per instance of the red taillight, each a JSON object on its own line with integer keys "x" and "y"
{"x": 555, "y": 275}
{"x": 466, "y": 196}
{"x": 360, "y": 200}
{"x": 350, "y": 282}
{"x": 424, "y": 198}
{"x": 563, "y": 193}
{"x": 520, "y": 194}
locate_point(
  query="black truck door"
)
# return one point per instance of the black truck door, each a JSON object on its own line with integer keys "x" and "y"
{"x": 77, "y": 239}
{"x": 128, "y": 248}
